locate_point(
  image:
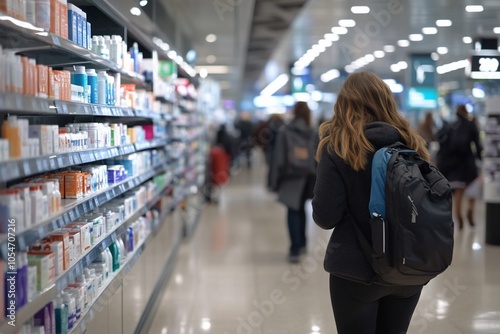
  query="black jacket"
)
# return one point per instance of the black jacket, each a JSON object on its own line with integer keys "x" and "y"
{"x": 341, "y": 197}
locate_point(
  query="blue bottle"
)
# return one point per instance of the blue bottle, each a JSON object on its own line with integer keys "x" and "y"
{"x": 79, "y": 78}
{"x": 92, "y": 83}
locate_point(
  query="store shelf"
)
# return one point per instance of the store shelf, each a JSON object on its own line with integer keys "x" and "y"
{"x": 74, "y": 209}
{"x": 125, "y": 267}
{"x": 53, "y": 50}
{"x": 43, "y": 298}
{"x": 21, "y": 168}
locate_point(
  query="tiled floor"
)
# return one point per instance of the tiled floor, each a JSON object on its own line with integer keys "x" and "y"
{"x": 232, "y": 276}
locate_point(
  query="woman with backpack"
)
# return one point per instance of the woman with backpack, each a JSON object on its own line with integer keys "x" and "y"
{"x": 292, "y": 173}
{"x": 457, "y": 160}
{"x": 365, "y": 120}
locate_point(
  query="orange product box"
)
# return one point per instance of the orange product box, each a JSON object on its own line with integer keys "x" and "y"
{"x": 55, "y": 17}
{"x": 87, "y": 184}
{"x": 73, "y": 184}
{"x": 51, "y": 81}
{"x": 26, "y": 75}
{"x": 64, "y": 238}
{"x": 63, "y": 9}
{"x": 43, "y": 81}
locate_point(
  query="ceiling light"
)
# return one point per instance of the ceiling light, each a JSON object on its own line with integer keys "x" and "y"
{"x": 434, "y": 56}
{"x": 171, "y": 54}
{"x": 332, "y": 37}
{"x": 467, "y": 39}
{"x": 211, "y": 59}
{"x": 395, "y": 68}
{"x": 214, "y": 69}
{"x": 349, "y": 69}
{"x": 143, "y": 3}
{"x": 360, "y": 9}
{"x": 379, "y": 54}
{"x": 203, "y": 73}
{"x": 403, "y": 43}
{"x": 474, "y": 8}
{"x": 211, "y": 38}
{"x": 369, "y": 58}
{"x": 389, "y": 48}
{"x": 496, "y": 30}
{"x": 429, "y": 30}
{"x": 452, "y": 66}
{"x": 442, "y": 50}
{"x": 347, "y": 23}
{"x": 135, "y": 11}
{"x": 443, "y": 23}
{"x": 416, "y": 37}
{"x": 325, "y": 43}
{"x": 330, "y": 75}
{"x": 275, "y": 85}
{"x": 339, "y": 30}
{"x": 403, "y": 65}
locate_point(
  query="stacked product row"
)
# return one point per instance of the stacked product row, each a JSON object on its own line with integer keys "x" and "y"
{"x": 51, "y": 256}
{"x": 22, "y": 140}
{"x": 39, "y": 198}
{"x": 62, "y": 315}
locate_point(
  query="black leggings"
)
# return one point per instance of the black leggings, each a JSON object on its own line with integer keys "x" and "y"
{"x": 372, "y": 309}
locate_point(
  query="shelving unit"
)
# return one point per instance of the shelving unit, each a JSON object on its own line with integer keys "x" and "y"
{"x": 181, "y": 171}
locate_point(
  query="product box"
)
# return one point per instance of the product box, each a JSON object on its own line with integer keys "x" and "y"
{"x": 86, "y": 236}
{"x": 83, "y": 18}
{"x": 76, "y": 239}
{"x": 45, "y": 268}
{"x": 72, "y": 23}
{"x": 42, "y": 133}
{"x": 55, "y": 17}
{"x": 63, "y": 9}
{"x": 58, "y": 250}
{"x": 62, "y": 237}
{"x": 32, "y": 282}
{"x": 45, "y": 318}
{"x": 73, "y": 187}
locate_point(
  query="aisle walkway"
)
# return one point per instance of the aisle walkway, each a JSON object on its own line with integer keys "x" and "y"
{"x": 232, "y": 276}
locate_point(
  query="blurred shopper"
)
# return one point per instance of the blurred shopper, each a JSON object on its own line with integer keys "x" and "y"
{"x": 245, "y": 127}
{"x": 459, "y": 148}
{"x": 292, "y": 174}
{"x": 427, "y": 130}
{"x": 365, "y": 120}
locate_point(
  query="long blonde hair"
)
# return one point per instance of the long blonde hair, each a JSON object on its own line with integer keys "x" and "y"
{"x": 364, "y": 98}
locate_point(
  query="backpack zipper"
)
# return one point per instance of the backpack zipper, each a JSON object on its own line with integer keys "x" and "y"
{"x": 378, "y": 216}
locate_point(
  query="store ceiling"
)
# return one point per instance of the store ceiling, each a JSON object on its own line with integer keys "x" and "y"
{"x": 244, "y": 41}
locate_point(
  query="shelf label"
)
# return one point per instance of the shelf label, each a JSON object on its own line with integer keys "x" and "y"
{"x": 71, "y": 215}
{"x": 62, "y": 107}
{"x": 87, "y": 109}
{"x": 52, "y": 163}
{"x": 60, "y": 161}
{"x": 85, "y": 157}
{"x": 76, "y": 159}
{"x": 26, "y": 167}
{"x": 56, "y": 40}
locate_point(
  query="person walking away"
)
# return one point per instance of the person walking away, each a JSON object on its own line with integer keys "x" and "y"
{"x": 365, "y": 120}
{"x": 459, "y": 148}
{"x": 292, "y": 174}
{"x": 245, "y": 127}
{"x": 427, "y": 130}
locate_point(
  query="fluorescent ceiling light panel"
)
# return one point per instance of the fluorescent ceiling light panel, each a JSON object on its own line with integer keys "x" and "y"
{"x": 435, "y": 56}
{"x": 325, "y": 43}
{"x": 347, "y": 23}
{"x": 442, "y": 50}
{"x": 214, "y": 69}
{"x": 332, "y": 37}
{"x": 474, "y": 8}
{"x": 349, "y": 69}
{"x": 143, "y": 3}
{"x": 395, "y": 68}
{"x": 403, "y": 43}
{"x": 496, "y": 30}
{"x": 203, "y": 73}
{"x": 379, "y": 54}
{"x": 416, "y": 37}
{"x": 330, "y": 75}
{"x": 389, "y": 48}
{"x": 339, "y": 30}
{"x": 275, "y": 85}
{"x": 429, "y": 30}
{"x": 369, "y": 58}
{"x": 467, "y": 39}
{"x": 403, "y": 65}
{"x": 443, "y": 23}
{"x": 360, "y": 9}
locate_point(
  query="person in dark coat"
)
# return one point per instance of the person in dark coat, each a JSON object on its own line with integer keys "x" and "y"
{"x": 365, "y": 120}
{"x": 293, "y": 191}
{"x": 457, "y": 160}
{"x": 245, "y": 127}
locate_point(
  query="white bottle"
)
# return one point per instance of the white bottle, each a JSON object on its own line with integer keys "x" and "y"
{"x": 69, "y": 300}
{"x": 102, "y": 87}
{"x": 90, "y": 284}
{"x": 38, "y": 207}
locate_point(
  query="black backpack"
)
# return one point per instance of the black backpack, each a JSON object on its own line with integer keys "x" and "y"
{"x": 300, "y": 153}
{"x": 411, "y": 218}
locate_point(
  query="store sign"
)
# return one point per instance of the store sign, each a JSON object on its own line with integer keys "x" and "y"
{"x": 423, "y": 71}
{"x": 301, "y": 78}
{"x": 422, "y": 98}
{"x": 485, "y": 67}
{"x": 167, "y": 69}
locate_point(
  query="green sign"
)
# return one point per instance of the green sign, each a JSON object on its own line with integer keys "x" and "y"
{"x": 167, "y": 69}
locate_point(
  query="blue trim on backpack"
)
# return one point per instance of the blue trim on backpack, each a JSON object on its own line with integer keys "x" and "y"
{"x": 379, "y": 171}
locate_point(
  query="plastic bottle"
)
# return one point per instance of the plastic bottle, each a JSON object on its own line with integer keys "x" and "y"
{"x": 38, "y": 209}
{"x": 134, "y": 52}
{"x": 114, "y": 248}
{"x": 57, "y": 196}
{"x": 111, "y": 90}
{"x": 90, "y": 284}
{"x": 69, "y": 300}
{"x": 80, "y": 78}
{"x": 81, "y": 282}
{"x": 102, "y": 87}
{"x": 61, "y": 315}
{"x": 92, "y": 83}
